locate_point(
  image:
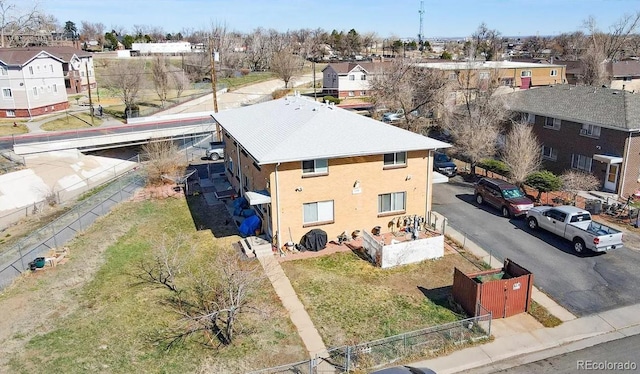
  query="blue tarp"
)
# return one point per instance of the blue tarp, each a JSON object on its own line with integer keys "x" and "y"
{"x": 249, "y": 226}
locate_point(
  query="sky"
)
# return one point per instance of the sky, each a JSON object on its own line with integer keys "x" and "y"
{"x": 387, "y": 18}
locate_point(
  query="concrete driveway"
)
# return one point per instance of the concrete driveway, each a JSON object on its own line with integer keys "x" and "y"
{"x": 584, "y": 284}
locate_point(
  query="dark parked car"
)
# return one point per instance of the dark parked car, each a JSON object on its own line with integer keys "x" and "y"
{"x": 404, "y": 370}
{"x": 502, "y": 195}
{"x": 443, "y": 164}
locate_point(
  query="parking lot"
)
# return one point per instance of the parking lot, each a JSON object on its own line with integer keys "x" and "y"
{"x": 584, "y": 284}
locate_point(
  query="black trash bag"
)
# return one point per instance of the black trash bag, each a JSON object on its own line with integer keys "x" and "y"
{"x": 314, "y": 240}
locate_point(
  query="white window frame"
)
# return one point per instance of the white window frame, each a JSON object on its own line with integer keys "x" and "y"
{"x": 31, "y": 70}
{"x": 549, "y": 153}
{"x": 581, "y": 162}
{"x": 11, "y": 113}
{"x": 363, "y": 77}
{"x": 318, "y": 212}
{"x": 352, "y": 77}
{"x": 554, "y": 124}
{"x": 453, "y": 76}
{"x": 397, "y": 202}
{"x": 531, "y": 118}
{"x": 5, "y": 91}
{"x": 484, "y": 75}
{"x": 525, "y": 74}
{"x": 51, "y": 66}
{"x": 592, "y": 131}
{"x": 363, "y": 93}
{"x": 55, "y": 88}
{"x": 553, "y": 73}
{"x": 397, "y": 161}
{"x": 320, "y": 167}
{"x": 352, "y": 94}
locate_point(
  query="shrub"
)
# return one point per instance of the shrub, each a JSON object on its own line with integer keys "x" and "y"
{"x": 495, "y": 166}
{"x": 245, "y": 71}
{"x": 331, "y": 99}
{"x": 277, "y": 94}
{"x": 543, "y": 181}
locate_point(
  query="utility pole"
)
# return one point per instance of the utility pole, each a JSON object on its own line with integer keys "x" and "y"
{"x": 212, "y": 58}
{"x": 86, "y": 72}
{"x": 313, "y": 64}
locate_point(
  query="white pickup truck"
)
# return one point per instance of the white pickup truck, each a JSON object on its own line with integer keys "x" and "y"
{"x": 215, "y": 151}
{"x": 575, "y": 224}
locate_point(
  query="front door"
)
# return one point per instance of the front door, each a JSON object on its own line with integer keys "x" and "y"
{"x": 612, "y": 177}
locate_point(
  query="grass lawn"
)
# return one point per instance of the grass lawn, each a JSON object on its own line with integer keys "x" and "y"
{"x": 7, "y": 128}
{"x": 88, "y": 315}
{"x": 71, "y": 121}
{"x": 351, "y": 301}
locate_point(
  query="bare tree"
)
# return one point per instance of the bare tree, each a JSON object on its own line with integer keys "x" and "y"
{"x": 486, "y": 42}
{"x": 125, "y": 79}
{"x": 476, "y": 124}
{"x": 162, "y": 161}
{"x": 210, "y": 300}
{"x": 410, "y": 87}
{"x": 180, "y": 81}
{"x": 521, "y": 153}
{"x": 594, "y": 72}
{"x": 611, "y": 44}
{"x": 285, "y": 65}
{"x": 574, "y": 181}
{"x": 24, "y": 25}
{"x": 92, "y": 31}
{"x": 160, "y": 77}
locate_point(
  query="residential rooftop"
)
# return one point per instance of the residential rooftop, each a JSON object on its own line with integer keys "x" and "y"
{"x": 477, "y": 65}
{"x": 606, "y": 107}
{"x": 297, "y": 128}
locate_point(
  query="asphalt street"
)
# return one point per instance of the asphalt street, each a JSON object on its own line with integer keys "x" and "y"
{"x": 584, "y": 284}
{"x": 615, "y": 356}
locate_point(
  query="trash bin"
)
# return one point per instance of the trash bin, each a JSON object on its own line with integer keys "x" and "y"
{"x": 376, "y": 230}
{"x": 589, "y": 206}
{"x": 597, "y": 207}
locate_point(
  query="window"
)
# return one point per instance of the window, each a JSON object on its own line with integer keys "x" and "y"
{"x": 352, "y": 77}
{"x": 247, "y": 185}
{"x": 531, "y": 118}
{"x": 351, "y": 93}
{"x": 549, "y": 153}
{"x": 507, "y": 82}
{"x": 525, "y": 73}
{"x": 35, "y": 91}
{"x": 315, "y": 167}
{"x": 483, "y": 75}
{"x": 363, "y": 93}
{"x": 230, "y": 165}
{"x": 453, "y": 76}
{"x": 552, "y": 123}
{"x": 554, "y": 72}
{"x": 395, "y": 159}
{"x": 625, "y": 79}
{"x": 31, "y": 70}
{"x": 391, "y": 202}
{"x": 11, "y": 113}
{"x": 51, "y": 67}
{"x": 6, "y": 93}
{"x": 590, "y": 130}
{"x": 319, "y": 212}
{"x": 55, "y": 88}
{"x": 3, "y": 71}
{"x": 363, "y": 77}
{"x": 581, "y": 162}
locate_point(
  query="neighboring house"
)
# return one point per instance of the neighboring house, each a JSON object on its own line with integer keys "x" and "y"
{"x": 596, "y": 130}
{"x": 625, "y": 75}
{"x": 575, "y": 71}
{"x": 352, "y": 79}
{"x": 303, "y": 165}
{"x": 349, "y": 79}
{"x": 32, "y": 83}
{"x": 77, "y": 67}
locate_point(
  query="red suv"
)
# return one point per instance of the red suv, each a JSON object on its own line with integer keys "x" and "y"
{"x": 502, "y": 195}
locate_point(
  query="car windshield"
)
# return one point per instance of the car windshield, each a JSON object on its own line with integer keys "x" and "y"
{"x": 441, "y": 157}
{"x": 512, "y": 193}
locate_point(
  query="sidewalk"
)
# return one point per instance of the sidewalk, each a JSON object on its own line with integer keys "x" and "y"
{"x": 521, "y": 340}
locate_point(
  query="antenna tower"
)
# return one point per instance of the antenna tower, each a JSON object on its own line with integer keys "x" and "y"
{"x": 421, "y": 12}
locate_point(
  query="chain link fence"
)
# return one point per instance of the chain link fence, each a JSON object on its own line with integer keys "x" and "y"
{"x": 422, "y": 343}
{"x": 15, "y": 259}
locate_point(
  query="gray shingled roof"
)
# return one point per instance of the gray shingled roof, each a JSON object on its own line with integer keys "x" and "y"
{"x": 297, "y": 128}
{"x": 343, "y": 68}
{"x": 66, "y": 53}
{"x": 616, "y": 109}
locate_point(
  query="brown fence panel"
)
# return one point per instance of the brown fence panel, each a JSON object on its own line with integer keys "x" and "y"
{"x": 492, "y": 297}
{"x": 465, "y": 292}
